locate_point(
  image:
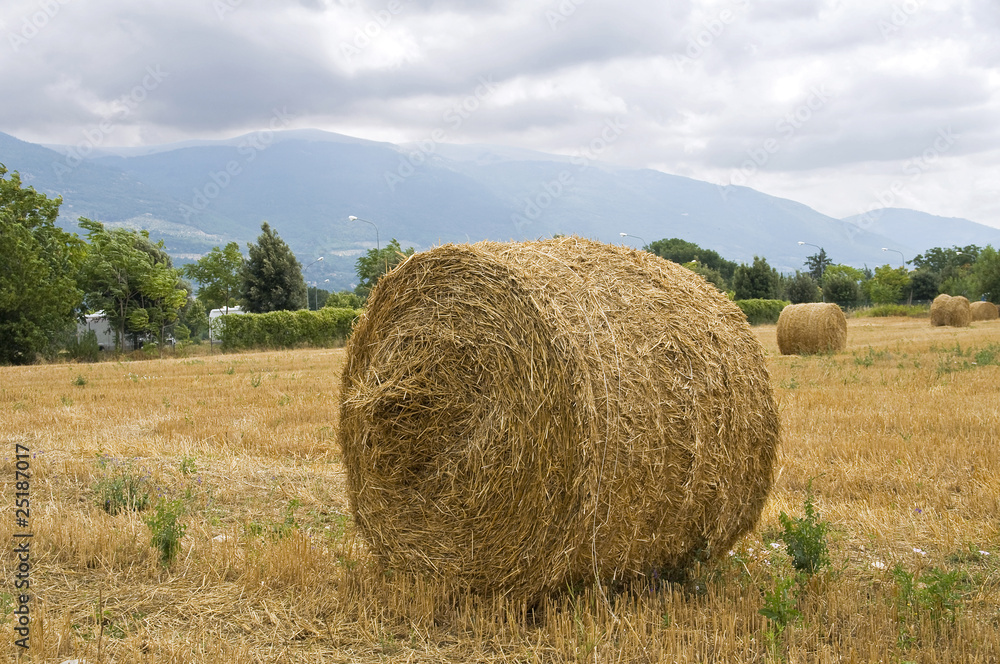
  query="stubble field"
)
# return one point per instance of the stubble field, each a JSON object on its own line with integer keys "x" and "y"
{"x": 898, "y": 435}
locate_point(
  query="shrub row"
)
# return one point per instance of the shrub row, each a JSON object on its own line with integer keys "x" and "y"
{"x": 884, "y": 310}
{"x": 286, "y": 329}
{"x": 762, "y": 312}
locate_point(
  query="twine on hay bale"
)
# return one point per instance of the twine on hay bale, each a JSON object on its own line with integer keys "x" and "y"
{"x": 952, "y": 311}
{"x": 516, "y": 417}
{"x": 984, "y": 311}
{"x": 816, "y": 327}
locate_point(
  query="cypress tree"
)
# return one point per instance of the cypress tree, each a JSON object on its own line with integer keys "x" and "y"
{"x": 272, "y": 276}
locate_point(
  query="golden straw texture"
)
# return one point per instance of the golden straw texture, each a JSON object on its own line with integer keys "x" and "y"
{"x": 516, "y": 417}
{"x": 952, "y": 311}
{"x": 984, "y": 311}
{"x": 816, "y": 327}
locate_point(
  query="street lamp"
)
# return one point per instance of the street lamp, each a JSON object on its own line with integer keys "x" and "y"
{"x": 901, "y": 257}
{"x": 304, "y": 271}
{"x": 635, "y": 236}
{"x": 378, "y": 247}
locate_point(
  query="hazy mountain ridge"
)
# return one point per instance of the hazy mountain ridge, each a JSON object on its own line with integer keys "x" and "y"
{"x": 198, "y": 194}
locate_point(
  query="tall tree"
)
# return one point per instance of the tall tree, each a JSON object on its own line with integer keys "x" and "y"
{"x": 987, "y": 273}
{"x": 272, "y": 276}
{"x": 374, "y": 264}
{"x": 220, "y": 274}
{"x": 802, "y": 288}
{"x": 759, "y": 280}
{"x": 887, "y": 285}
{"x": 681, "y": 251}
{"x": 817, "y": 264}
{"x": 39, "y": 265}
{"x": 132, "y": 280}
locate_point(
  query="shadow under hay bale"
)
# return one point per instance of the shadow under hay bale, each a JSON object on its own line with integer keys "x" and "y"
{"x": 951, "y": 311}
{"x": 984, "y": 311}
{"x": 516, "y": 417}
{"x": 816, "y": 327}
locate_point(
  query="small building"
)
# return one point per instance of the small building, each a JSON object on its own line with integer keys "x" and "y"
{"x": 213, "y": 315}
{"x": 99, "y": 324}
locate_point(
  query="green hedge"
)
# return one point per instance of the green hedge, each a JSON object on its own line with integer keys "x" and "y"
{"x": 885, "y": 310}
{"x": 286, "y": 329}
{"x": 762, "y": 312}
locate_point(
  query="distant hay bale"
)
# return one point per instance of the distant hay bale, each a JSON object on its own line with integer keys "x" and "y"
{"x": 817, "y": 327}
{"x": 984, "y": 311}
{"x": 516, "y": 417}
{"x": 951, "y": 311}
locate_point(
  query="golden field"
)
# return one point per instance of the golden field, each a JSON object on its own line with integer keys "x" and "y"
{"x": 898, "y": 433}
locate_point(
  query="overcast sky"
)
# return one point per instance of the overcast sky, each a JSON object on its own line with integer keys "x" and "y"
{"x": 845, "y": 105}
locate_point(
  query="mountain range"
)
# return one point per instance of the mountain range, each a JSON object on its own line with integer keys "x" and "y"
{"x": 306, "y": 183}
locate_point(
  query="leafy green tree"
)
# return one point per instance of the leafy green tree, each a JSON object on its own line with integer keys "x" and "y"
{"x": 132, "y": 280}
{"x": 220, "y": 274}
{"x": 374, "y": 264}
{"x": 802, "y": 288}
{"x": 344, "y": 300}
{"x": 195, "y": 318}
{"x": 682, "y": 252}
{"x": 987, "y": 273}
{"x": 272, "y": 276}
{"x": 39, "y": 265}
{"x": 759, "y": 280}
{"x": 887, "y": 285}
{"x": 710, "y": 275}
{"x": 817, "y": 264}
{"x": 924, "y": 284}
{"x": 841, "y": 284}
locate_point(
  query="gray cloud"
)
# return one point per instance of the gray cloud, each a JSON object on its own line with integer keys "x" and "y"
{"x": 701, "y": 84}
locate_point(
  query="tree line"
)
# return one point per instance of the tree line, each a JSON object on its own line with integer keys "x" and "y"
{"x": 971, "y": 271}
{"x": 50, "y": 278}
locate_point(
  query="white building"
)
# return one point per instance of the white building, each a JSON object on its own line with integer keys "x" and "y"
{"x": 213, "y": 315}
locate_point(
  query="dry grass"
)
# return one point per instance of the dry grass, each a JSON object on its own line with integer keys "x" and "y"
{"x": 899, "y": 431}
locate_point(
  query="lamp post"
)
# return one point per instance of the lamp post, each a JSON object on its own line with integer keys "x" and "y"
{"x": 635, "y": 236}
{"x": 901, "y": 257}
{"x": 304, "y": 271}
{"x": 378, "y": 247}
{"x": 822, "y": 266}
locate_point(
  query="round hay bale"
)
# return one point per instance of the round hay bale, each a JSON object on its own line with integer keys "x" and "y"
{"x": 516, "y": 417}
{"x": 984, "y": 311}
{"x": 952, "y": 311}
{"x": 817, "y": 327}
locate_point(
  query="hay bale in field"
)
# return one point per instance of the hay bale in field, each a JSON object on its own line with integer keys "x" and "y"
{"x": 952, "y": 311}
{"x": 816, "y": 327}
{"x": 984, "y": 311}
{"x": 516, "y": 417}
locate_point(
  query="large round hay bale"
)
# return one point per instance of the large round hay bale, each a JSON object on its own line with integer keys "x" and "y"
{"x": 984, "y": 311}
{"x": 952, "y": 311}
{"x": 816, "y": 327}
{"x": 516, "y": 417}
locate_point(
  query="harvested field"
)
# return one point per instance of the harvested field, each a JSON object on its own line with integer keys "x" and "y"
{"x": 898, "y": 432}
